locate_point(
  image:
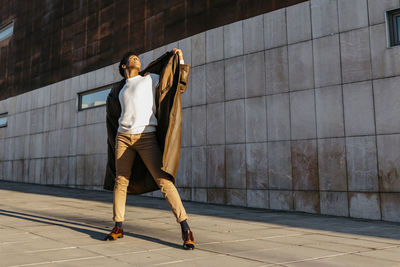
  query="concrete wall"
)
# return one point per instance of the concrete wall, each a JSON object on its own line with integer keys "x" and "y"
{"x": 297, "y": 109}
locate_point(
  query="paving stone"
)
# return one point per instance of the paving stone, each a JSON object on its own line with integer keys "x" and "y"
{"x": 49, "y": 227}
{"x": 383, "y": 254}
{"x": 283, "y": 254}
{"x": 344, "y": 260}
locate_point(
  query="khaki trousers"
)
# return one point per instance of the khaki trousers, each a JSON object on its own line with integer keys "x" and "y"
{"x": 146, "y": 144}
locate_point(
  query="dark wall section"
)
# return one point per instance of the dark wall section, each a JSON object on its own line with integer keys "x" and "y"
{"x": 58, "y": 39}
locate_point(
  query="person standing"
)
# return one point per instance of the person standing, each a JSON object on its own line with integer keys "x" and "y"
{"x": 137, "y": 135}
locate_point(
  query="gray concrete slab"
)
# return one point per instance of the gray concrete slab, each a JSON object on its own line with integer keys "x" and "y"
{"x": 55, "y": 226}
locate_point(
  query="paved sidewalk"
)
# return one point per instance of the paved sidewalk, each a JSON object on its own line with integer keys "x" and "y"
{"x": 52, "y": 226}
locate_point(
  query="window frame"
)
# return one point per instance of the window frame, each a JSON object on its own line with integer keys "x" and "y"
{"x": 91, "y": 91}
{"x": 392, "y": 27}
{"x": 4, "y": 28}
{"x": 4, "y": 115}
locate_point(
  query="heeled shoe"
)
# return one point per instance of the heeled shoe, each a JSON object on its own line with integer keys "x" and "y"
{"x": 115, "y": 233}
{"x": 188, "y": 240}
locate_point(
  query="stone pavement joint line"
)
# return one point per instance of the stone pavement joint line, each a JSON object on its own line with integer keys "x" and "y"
{"x": 54, "y": 226}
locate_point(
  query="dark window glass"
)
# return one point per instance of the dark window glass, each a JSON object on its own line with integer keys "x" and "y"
{"x": 6, "y": 31}
{"x": 3, "y": 120}
{"x": 93, "y": 98}
{"x": 393, "y": 19}
{"x": 398, "y": 27}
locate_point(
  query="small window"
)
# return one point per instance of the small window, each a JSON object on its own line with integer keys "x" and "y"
{"x": 393, "y": 26}
{"x": 3, "y": 119}
{"x": 6, "y": 31}
{"x": 93, "y": 98}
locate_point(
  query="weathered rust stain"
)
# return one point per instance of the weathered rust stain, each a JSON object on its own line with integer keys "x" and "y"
{"x": 390, "y": 179}
{"x": 305, "y": 165}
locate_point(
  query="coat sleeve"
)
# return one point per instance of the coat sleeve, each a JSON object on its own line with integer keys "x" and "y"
{"x": 113, "y": 111}
{"x": 157, "y": 65}
{"x": 184, "y": 77}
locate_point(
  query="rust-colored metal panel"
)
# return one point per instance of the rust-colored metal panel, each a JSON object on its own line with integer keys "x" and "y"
{"x": 58, "y": 39}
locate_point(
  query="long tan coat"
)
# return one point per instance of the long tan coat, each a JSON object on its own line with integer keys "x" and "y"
{"x": 173, "y": 82}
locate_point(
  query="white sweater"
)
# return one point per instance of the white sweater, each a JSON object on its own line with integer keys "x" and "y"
{"x": 138, "y": 105}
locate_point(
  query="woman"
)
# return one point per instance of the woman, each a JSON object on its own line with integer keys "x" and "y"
{"x": 137, "y": 135}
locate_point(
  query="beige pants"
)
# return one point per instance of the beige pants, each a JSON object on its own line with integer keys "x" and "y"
{"x": 146, "y": 144}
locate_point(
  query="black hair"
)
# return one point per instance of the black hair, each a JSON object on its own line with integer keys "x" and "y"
{"x": 124, "y": 61}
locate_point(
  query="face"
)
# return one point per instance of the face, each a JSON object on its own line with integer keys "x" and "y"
{"x": 134, "y": 62}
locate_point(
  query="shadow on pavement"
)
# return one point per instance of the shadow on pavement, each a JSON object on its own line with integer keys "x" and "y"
{"x": 94, "y": 232}
{"x": 292, "y": 219}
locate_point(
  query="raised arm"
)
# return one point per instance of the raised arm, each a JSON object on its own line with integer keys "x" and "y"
{"x": 179, "y": 52}
{"x": 184, "y": 71}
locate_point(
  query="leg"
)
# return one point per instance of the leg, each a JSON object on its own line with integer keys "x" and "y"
{"x": 148, "y": 148}
{"x": 124, "y": 157}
